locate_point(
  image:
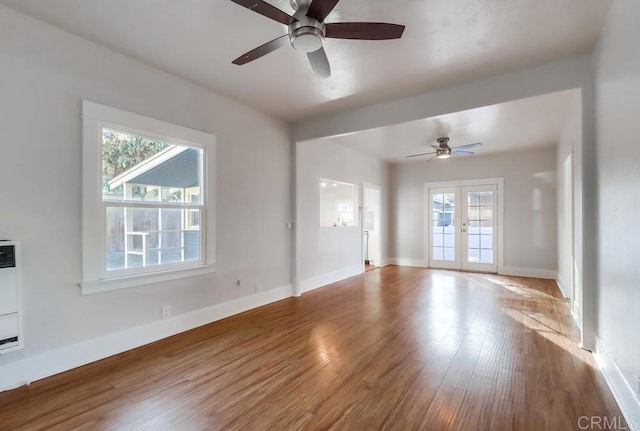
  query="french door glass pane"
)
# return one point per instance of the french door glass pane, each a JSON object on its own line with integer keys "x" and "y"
{"x": 474, "y": 255}
{"x": 486, "y": 199}
{"x": 480, "y": 227}
{"x": 486, "y": 256}
{"x": 473, "y": 199}
{"x": 438, "y": 253}
{"x": 449, "y": 254}
{"x": 443, "y": 217}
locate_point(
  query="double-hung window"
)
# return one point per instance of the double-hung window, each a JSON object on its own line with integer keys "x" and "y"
{"x": 147, "y": 200}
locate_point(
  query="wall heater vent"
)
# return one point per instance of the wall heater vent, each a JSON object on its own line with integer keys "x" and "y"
{"x": 10, "y": 297}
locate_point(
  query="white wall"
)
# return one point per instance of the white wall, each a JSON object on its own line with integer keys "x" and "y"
{"x": 529, "y": 204}
{"x": 327, "y": 254}
{"x": 45, "y": 73}
{"x": 569, "y": 143}
{"x": 617, "y": 78}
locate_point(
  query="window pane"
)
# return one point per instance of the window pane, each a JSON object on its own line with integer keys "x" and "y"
{"x": 487, "y": 241}
{"x": 486, "y": 198}
{"x": 486, "y": 213}
{"x": 474, "y": 241}
{"x": 141, "y": 237}
{"x": 438, "y": 253}
{"x": 484, "y": 224}
{"x": 449, "y": 240}
{"x": 449, "y": 229}
{"x": 449, "y": 254}
{"x": 473, "y": 199}
{"x": 474, "y": 227}
{"x": 115, "y": 238}
{"x": 438, "y": 240}
{"x": 443, "y": 209}
{"x": 140, "y": 168}
{"x": 474, "y": 255}
{"x": 486, "y": 256}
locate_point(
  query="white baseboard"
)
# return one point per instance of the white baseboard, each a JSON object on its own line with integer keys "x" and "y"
{"x": 39, "y": 366}
{"x": 528, "y": 272}
{"x": 386, "y": 261}
{"x": 418, "y": 263}
{"x": 312, "y": 283}
{"x": 507, "y": 270}
{"x": 622, "y": 392}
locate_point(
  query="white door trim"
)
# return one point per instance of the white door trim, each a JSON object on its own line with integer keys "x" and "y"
{"x": 568, "y": 277}
{"x": 498, "y": 182}
{"x": 366, "y": 185}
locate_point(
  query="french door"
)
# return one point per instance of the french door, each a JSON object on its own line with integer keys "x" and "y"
{"x": 463, "y": 228}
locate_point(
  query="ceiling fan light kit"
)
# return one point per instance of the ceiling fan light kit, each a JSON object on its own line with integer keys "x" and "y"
{"x": 306, "y": 34}
{"x": 444, "y": 151}
{"x": 307, "y": 31}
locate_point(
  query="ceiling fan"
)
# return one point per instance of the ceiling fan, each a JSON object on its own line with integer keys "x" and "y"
{"x": 444, "y": 151}
{"x": 307, "y": 31}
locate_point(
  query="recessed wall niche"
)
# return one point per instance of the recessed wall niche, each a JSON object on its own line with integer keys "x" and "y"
{"x": 338, "y": 203}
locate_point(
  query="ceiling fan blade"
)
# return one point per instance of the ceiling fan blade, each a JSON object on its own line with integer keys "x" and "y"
{"x": 319, "y": 63}
{"x": 319, "y": 9}
{"x": 364, "y": 30}
{"x": 418, "y": 155}
{"x": 437, "y": 147}
{"x": 461, "y": 153}
{"x": 262, "y": 50}
{"x": 464, "y": 147}
{"x": 264, "y": 8}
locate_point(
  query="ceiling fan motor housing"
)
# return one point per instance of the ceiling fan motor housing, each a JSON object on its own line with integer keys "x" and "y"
{"x": 443, "y": 141}
{"x": 306, "y": 34}
{"x": 444, "y": 151}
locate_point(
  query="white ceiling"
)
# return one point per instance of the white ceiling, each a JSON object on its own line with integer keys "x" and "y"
{"x": 446, "y": 42}
{"x": 535, "y": 122}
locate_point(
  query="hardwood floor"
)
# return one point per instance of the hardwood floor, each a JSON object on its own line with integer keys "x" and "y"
{"x": 394, "y": 349}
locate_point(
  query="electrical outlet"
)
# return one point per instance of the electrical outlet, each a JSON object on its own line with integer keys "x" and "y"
{"x": 166, "y": 311}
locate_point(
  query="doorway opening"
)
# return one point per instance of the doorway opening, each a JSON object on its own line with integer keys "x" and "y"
{"x": 371, "y": 226}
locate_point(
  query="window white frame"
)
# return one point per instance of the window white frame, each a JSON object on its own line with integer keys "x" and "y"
{"x": 95, "y": 277}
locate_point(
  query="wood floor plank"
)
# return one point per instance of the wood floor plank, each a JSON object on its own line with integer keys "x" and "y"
{"x": 396, "y": 348}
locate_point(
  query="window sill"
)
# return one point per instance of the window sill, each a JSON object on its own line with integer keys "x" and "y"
{"x": 117, "y": 283}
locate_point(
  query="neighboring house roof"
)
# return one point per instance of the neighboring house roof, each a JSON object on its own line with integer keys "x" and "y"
{"x": 172, "y": 167}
